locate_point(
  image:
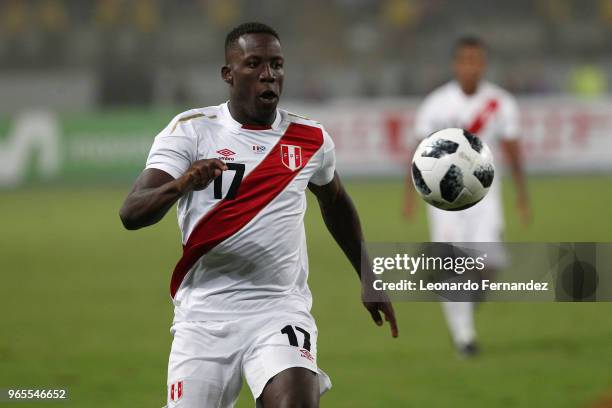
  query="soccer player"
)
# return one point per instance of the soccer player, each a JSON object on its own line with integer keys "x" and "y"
{"x": 485, "y": 110}
{"x": 239, "y": 172}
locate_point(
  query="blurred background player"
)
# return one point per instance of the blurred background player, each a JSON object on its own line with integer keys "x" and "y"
{"x": 491, "y": 113}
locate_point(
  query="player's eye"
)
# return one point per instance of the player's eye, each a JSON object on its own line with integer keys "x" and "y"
{"x": 251, "y": 64}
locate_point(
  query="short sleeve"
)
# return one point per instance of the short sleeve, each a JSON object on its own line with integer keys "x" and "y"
{"x": 509, "y": 127}
{"x": 325, "y": 173}
{"x": 425, "y": 120}
{"x": 174, "y": 149}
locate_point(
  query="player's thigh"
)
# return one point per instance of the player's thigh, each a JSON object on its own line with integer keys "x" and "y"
{"x": 284, "y": 341}
{"x": 445, "y": 226}
{"x": 486, "y": 219}
{"x": 204, "y": 366}
{"x": 293, "y": 387}
{"x": 481, "y": 223}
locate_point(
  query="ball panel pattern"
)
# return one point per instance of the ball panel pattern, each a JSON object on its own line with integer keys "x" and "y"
{"x": 474, "y": 141}
{"x": 451, "y": 184}
{"x": 419, "y": 182}
{"x": 463, "y": 207}
{"x": 484, "y": 173}
{"x": 441, "y": 147}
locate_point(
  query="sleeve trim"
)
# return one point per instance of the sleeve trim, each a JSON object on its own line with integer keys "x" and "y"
{"x": 187, "y": 118}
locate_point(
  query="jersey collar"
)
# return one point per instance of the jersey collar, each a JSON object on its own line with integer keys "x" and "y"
{"x": 482, "y": 85}
{"x": 237, "y": 126}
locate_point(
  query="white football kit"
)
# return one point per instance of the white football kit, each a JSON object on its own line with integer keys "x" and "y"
{"x": 491, "y": 114}
{"x": 241, "y": 299}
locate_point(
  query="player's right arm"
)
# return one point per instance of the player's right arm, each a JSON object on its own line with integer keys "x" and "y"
{"x": 423, "y": 126}
{"x": 172, "y": 171}
{"x": 155, "y": 191}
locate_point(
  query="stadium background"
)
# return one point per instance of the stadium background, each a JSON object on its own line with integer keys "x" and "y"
{"x": 85, "y": 85}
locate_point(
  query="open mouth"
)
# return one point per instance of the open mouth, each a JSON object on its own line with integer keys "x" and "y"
{"x": 268, "y": 96}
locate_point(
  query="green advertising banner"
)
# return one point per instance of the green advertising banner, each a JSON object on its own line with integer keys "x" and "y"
{"x": 372, "y": 139}
{"x": 42, "y": 147}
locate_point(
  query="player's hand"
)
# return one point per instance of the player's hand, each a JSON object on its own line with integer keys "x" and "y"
{"x": 200, "y": 174}
{"x": 382, "y": 304}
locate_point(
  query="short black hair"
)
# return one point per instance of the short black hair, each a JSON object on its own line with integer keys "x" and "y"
{"x": 248, "y": 28}
{"x": 469, "y": 41}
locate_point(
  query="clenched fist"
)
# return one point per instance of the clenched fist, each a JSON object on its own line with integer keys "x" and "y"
{"x": 200, "y": 174}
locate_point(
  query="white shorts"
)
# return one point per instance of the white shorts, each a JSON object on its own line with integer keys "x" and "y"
{"x": 484, "y": 222}
{"x": 209, "y": 359}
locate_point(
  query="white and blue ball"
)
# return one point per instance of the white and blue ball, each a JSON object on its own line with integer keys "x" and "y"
{"x": 452, "y": 169}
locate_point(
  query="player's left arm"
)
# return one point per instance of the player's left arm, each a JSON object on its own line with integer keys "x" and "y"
{"x": 512, "y": 151}
{"x": 342, "y": 221}
{"x": 511, "y": 147}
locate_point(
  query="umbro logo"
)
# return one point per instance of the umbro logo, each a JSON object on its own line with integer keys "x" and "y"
{"x": 226, "y": 152}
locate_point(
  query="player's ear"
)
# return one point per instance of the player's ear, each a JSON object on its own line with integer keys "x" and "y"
{"x": 226, "y": 74}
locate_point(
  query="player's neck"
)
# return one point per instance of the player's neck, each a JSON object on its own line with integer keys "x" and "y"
{"x": 241, "y": 116}
{"x": 469, "y": 89}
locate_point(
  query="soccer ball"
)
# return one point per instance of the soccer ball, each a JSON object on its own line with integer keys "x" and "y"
{"x": 452, "y": 169}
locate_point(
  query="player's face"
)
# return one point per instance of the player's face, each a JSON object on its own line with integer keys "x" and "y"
{"x": 255, "y": 74}
{"x": 469, "y": 65}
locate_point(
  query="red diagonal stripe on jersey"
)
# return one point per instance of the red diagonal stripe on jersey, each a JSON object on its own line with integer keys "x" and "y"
{"x": 483, "y": 116}
{"x": 255, "y": 192}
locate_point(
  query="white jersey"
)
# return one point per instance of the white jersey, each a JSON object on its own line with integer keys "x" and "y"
{"x": 243, "y": 235}
{"x": 492, "y": 114}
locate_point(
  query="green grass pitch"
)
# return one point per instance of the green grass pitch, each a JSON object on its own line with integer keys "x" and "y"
{"x": 85, "y": 306}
